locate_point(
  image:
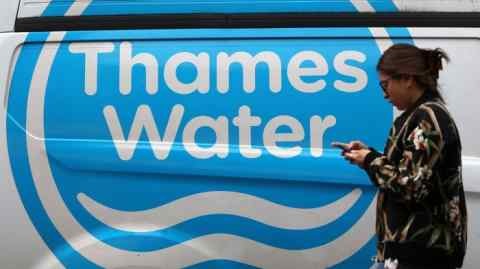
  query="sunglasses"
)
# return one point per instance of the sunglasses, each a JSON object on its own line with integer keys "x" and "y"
{"x": 384, "y": 83}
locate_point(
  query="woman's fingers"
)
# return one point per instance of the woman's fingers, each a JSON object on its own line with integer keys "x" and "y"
{"x": 356, "y": 156}
{"x": 352, "y": 145}
{"x": 349, "y": 156}
{"x": 356, "y": 145}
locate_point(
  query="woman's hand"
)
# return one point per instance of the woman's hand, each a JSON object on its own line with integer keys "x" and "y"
{"x": 356, "y": 156}
{"x": 356, "y": 145}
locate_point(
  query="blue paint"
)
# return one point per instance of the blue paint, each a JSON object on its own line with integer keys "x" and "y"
{"x": 221, "y": 264}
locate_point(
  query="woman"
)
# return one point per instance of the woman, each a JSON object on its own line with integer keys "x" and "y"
{"x": 421, "y": 211}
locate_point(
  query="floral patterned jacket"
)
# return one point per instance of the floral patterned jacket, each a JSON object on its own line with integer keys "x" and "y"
{"x": 421, "y": 210}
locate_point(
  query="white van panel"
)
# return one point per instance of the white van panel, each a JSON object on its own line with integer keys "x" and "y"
{"x": 8, "y": 14}
{"x": 30, "y": 8}
{"x": 438, "y": 5}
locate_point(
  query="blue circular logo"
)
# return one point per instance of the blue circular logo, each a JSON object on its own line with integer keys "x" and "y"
{"x": 198, "y": 148}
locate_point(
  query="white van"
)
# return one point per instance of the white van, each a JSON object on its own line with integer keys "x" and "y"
{"x": 195, "y": 134}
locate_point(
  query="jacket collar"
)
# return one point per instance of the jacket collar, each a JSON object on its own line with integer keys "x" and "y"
{"x": 425, "y": 97}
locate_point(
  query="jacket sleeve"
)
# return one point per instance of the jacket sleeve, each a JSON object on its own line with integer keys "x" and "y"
{"x": 410, "y": 177}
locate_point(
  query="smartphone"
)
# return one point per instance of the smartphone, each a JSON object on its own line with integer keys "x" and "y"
{"x": 340, "y": 145}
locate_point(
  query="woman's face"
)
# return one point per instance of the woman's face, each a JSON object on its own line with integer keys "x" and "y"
{"x": 396, "y": 90}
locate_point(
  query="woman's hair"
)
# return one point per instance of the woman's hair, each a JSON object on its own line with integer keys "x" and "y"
{"x": 422, "y": 64}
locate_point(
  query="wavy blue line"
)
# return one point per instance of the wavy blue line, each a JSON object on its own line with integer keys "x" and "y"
{"x": 226, "y": 224}
{"x": 221, "y": 264}
{"x": 352, "y": 262}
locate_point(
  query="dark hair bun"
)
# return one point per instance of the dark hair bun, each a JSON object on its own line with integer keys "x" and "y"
{"x": 434, "y": 61}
